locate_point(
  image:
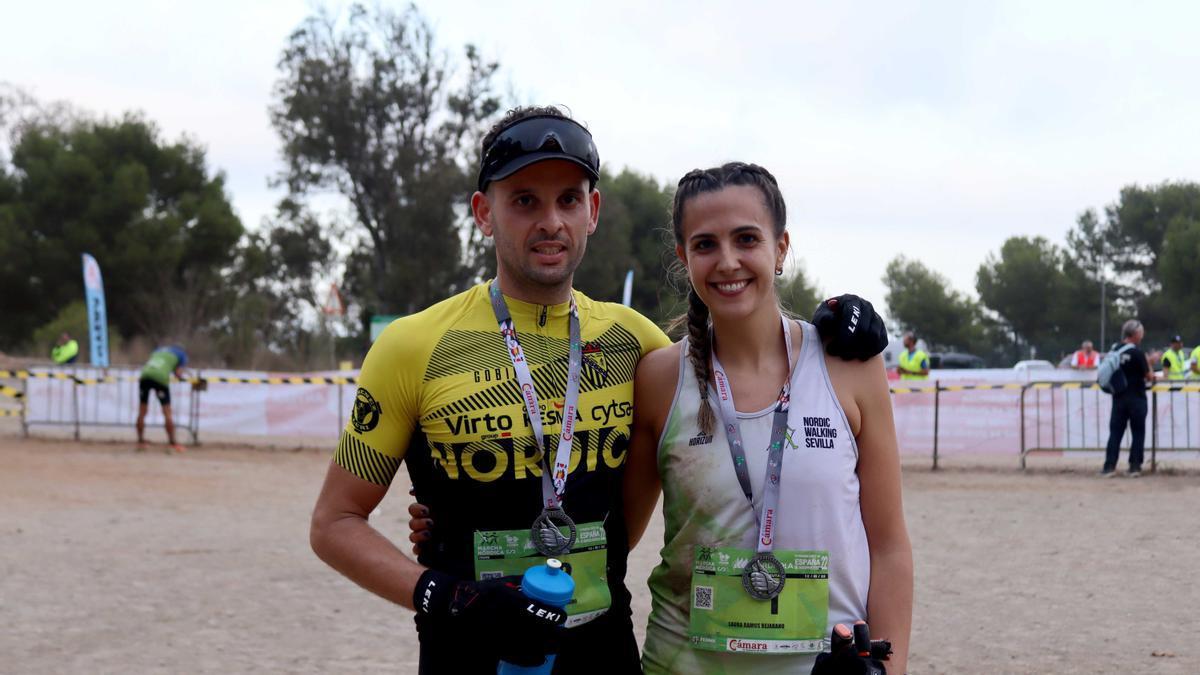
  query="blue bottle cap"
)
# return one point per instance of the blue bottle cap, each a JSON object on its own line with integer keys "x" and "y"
{"x": 548, "y": 583}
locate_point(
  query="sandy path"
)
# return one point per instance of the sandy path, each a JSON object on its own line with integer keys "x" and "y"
{"x": 116, "y": 562}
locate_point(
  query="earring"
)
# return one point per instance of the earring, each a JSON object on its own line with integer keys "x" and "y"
{"x": 778, "y": 271}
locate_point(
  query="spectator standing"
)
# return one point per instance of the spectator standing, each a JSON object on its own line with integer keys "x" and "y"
{"x": 1086, "y": 357}
{"x": 65, "y": 351}
{"x": 1129, "y": 405}
{"x": 1174, "y": 366}
{"x": 914, "y": 362}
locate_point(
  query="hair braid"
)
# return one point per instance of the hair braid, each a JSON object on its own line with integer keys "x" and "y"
{"x": 699, "y": 354}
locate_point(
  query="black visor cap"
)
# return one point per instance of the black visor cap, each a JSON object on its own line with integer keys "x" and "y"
{"x": 535, "y": 139}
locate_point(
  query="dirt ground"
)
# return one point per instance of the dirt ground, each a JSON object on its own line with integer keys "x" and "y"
{"x": 112, "y": 561}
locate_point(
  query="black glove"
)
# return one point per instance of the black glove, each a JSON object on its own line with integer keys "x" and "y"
{"x": 850, "y": 327}
{"x": 519, "y": 630}
{"x": 853, "y": 655}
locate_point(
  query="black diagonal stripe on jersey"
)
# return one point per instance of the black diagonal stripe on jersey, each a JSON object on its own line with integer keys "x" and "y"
{"x": 467, "y": 351}
{"x": 460, "y": 351}
{"x": 621, "y": 351}
{"x": 491, "y": 398}
{"x": 364, "y": 461}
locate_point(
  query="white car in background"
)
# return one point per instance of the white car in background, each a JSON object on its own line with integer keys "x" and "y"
{"x": 1033, "y": 365}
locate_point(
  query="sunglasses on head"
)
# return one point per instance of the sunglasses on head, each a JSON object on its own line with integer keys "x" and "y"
{"x": 535, "y": 139}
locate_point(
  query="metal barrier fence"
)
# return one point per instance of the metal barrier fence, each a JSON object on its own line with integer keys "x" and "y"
{"x": 1046, "y": 417}
{"x": 81, "y": 398}
{"x": 919, "y": 419}
{"x": 1078, "y": 414}
{"x": 1049, "y": 417}
{"x": 12, "y": 398}
{"x": 97, "y": 397}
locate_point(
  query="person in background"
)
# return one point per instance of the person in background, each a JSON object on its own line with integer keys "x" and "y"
{"x": 1085, "y": 358}
{"x": 1174, "y": 364}
{"x": 65, "y": 351}
{"x": 1129, "y": 406}
{"x": 1194, "y": 363}
{"x": 914, "y": 362}
{"x": 156, "y": 377}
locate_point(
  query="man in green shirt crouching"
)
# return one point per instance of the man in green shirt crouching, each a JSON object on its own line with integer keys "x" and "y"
{"x": 156, "y": 377}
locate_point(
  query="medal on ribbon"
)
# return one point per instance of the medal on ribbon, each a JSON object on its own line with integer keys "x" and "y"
{"x": 764, "y": 577}
{"x": 547, "y": 536}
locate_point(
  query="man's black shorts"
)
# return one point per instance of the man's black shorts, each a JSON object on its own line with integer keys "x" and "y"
{"x": 162, "y": 392}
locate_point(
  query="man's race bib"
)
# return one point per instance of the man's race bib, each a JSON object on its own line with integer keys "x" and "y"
{"x": 503, "y": 553}
{"x": 725, "y": 618}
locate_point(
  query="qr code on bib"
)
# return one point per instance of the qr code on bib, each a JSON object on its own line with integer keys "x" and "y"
{"x": 703, "y": 598}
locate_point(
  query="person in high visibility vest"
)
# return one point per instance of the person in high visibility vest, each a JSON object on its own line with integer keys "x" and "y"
{"x": 1173, "y": 362}
{"x": 1194, "y": 363}
{"x": 66, "y": 351}
{"x": 914, "y": 363}
{"x": 1086, "y": 357}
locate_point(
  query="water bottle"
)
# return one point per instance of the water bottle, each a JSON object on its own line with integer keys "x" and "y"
{"x": 549, "y": 584}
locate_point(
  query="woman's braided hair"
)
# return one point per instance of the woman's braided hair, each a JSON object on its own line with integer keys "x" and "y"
{"x": 694, "y": 183}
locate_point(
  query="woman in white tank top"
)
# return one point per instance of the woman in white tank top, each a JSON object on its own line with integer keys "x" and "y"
{"x": 778, "y": 466}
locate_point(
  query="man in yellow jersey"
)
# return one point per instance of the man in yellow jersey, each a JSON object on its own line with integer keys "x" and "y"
{"x": 914, "y": 362}
{"x": 1174, "y": 363}
{"x": 510, "y": 405}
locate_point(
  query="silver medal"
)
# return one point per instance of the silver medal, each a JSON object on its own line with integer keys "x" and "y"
{"x": 548, "y": 539}
{"x": 764, "y": 576}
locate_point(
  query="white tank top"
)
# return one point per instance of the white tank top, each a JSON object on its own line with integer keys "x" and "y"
{"x": 703, "y": 504}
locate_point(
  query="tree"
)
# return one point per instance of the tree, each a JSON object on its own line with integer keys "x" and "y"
{"x": 797, "y": 294}
{"x": 1137, "y": 226}
{"x": 1130, "y": 251}
{"x": 151, "y": 213}
{"x": 1087, "y": 250}
{"x": 921, "y": 300}
{"x": 1021, "y": 286}
{"x": 633, "y": 234}
{"x": 276, "y": 275}
{"x": 1179, "y": 269}
{"x": 367, "y": 108}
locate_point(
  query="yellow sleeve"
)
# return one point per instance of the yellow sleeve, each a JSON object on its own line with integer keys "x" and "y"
{"x": 386, "y": 407}
{"x": 648, "y": 333}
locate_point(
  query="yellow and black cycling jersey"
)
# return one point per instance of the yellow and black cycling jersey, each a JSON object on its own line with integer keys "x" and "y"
{"x": 438, "y": 392}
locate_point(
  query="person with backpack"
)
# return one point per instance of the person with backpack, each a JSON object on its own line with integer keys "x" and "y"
{"x": 1124, "y": 374}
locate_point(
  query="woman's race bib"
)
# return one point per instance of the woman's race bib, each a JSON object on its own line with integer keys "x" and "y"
{"x": 725, "y": 618}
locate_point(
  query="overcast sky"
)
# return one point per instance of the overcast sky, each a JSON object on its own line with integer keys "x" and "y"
{"x": 935, "y": 130}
